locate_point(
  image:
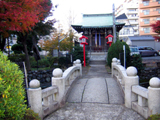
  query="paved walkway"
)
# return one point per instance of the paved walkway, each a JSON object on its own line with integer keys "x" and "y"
{"x": 96, "y": 96}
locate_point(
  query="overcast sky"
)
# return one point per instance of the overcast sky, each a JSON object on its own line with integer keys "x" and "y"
{"x": 79, "y": 7}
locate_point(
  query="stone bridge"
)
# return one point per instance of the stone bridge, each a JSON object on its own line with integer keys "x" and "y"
{"x": 93, "y": 94}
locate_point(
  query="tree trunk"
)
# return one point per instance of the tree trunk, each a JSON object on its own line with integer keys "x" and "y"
{"x": 23, "y": 40}
{"x": 2, "y": 42}
{"x": 35, "y": 48}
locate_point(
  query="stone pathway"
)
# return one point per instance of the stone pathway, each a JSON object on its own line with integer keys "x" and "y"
{"x": 96, "y": 96}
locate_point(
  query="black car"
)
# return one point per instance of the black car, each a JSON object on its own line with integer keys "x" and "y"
{"x": 147, "y": 51}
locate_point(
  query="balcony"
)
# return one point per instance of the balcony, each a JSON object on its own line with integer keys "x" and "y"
{"x": 136, "y": 33}
{"x": 151, "y": 14}
{"x": 132, "y": 12}
{"x": 150, "y": 5}
{"x": 135, "y": 28}
{"x": 136, "y": 17}
{"x": 133, "y": 22}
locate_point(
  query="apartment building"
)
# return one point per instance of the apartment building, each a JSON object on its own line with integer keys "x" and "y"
{"x": 127, "y": 29}
{"x": 130, "y": 8}
{"x": 149, "y": 13}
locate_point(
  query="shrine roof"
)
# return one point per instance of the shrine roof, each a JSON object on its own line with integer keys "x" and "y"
{"x": 97, "y": 21}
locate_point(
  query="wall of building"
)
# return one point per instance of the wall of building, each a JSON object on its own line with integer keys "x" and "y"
{"x": 149, "y": 12}
{"x": 154, "y": 44}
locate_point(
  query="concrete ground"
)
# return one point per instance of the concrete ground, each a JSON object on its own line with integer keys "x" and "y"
{"x": 96, "y": 96}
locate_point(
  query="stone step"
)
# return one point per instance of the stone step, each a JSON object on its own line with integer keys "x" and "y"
{"x": 98, "y": 56}
{"x": 96, "y": 62}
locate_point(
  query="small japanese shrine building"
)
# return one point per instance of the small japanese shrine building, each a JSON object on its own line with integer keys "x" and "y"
{"x": 96, "y": 27}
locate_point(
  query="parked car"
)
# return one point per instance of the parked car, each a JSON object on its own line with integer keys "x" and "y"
{"x": 134, "y": 50}
{"x": 147, "y": 51}
{"x": 158, "y": 52}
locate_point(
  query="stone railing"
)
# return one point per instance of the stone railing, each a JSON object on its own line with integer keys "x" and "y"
{"x": 145, "y": 101}
{"x": 50, "y": 99}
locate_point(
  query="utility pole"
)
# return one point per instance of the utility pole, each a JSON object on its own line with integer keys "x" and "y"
{"x": 114, "y": 27}
{"x": 58, "y": 45}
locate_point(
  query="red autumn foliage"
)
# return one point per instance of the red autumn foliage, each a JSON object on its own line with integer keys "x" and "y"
{"x": 156, "y": 29}
{"x": 22, "y": 15}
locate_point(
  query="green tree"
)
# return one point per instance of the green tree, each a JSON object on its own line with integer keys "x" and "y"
{"x": 116, "y": 50}
{"x": 30, "y": 40}
{"x": 78, "y": 53}
{"x": 136, "y": 61}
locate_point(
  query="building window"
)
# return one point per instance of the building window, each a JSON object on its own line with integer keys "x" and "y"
{"x": 131, "y": 10}
{"x": 158, "y": 1}
{"x": 146, "y": 12}
{"x": 158, "y": 9}
{"x": 146, "y": 3}
{"x": 146, "y": 21}
{"x": 146, "y": 30}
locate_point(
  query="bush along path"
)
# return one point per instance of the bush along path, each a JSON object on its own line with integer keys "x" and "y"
{"x": 12, "y": 92}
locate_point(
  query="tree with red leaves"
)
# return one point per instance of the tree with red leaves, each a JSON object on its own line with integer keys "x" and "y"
{"x": 21, "y": 16}
{"x": 156, "y": 29}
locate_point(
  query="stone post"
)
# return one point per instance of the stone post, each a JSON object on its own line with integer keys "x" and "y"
{"x": 58, "y": 80}
{"x": 114, "y": 62}
{"x": 78, "y": 63}
{"x": 130, "y": 80}
{"x": 154, "y": 96}
{"x": 35, "y": 97}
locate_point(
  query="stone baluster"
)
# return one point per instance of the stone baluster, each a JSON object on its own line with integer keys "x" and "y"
{"x": 78, "y": 63}
{"x": 154, "y": 96}
{"x": 35, "y": 97}
{"x": 58, "y": 80}
{"x": 130, "y": 80}
{"x": 114, "y": 62}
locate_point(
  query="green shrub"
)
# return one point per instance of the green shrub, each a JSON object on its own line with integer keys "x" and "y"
{"x": 42, "y": 63}
{"x": 17, "y": 48}
{"x": 31, "y": 115}
{"x": 17, "y": 57}
{"x": 136, "y": 61}
{"x": 52, "y": 60}
{"x": 64, "y": 61}
{"x": 154, "y": 117}
{"x": 11, "y": 90}
{"x": 78, "y": 54}
{"x": 116, "y": 50}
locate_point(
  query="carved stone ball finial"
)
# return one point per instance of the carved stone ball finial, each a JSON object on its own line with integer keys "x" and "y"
{"x": 57, "y": 72}
{"x": 74, "y": 62}
{"x": 34, "y": 83}
{"x": 78, "y": 61}
{"x": 119, "y": 62}
{"x": 114, "y": 60}
{"x": 131, "y": 71}
{"x": 154, "y": 82}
